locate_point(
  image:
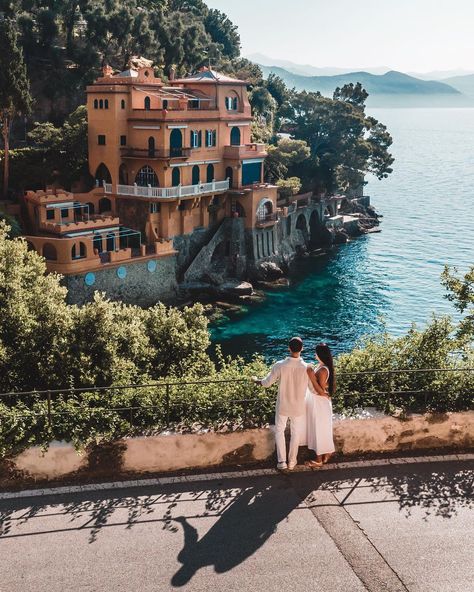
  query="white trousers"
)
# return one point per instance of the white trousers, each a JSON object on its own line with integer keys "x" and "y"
{"x": 297, "y": 428}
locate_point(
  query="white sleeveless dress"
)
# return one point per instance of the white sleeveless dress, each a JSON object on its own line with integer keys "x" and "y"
{"x": 319, "y": 421}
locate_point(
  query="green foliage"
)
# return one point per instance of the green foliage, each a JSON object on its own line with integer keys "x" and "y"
{"x": 288, "y": 187}
{"x": 284, "y": 158}
{"x": 461, "y": 292}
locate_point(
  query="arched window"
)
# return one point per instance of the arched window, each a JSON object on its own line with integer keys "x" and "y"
{"x": 175, "y": 177}
{"x": 106, "y": 103}
{"x": 195, "y": 175}
{"x": 105, "y": 205}
{"x": 82, "y": 251}
{"x": 110, "y": 242}
{"x": 210, "y": 173}
{"x": 151, "y": 147}
{"x": 235, "y": 103}
{"x": 91, "y": 207}
{"x": 103, "y": 174}
{"x": 232, "y": 102}
{"x": 96, "y": 104}
{"x": 97, "y": 243}
{"x": 122, "y": 104}
{"x": 49, "y": 252}
{"x": 229, "y": 174}
{"x": 235, "y": 136}
{"x": 146, "y": 176}
{"x": 265, "y": 208}
{"x": 176, "y": 143}
{"x": 123, "y": 174}
{"x": 101, "y": 104}
{"x": 165, "y": 103}
{"x": 147, "y": 103}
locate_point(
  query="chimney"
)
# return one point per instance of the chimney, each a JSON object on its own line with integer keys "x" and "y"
{"x": 172, "y": 73}
{"x": 107, "y": 71}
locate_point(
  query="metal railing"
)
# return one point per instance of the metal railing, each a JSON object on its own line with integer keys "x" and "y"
{"x": 171, "y": 407}
{"x": 158, "y": 153}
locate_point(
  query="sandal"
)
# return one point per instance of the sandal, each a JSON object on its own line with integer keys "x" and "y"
{"x": 313, "y": 464}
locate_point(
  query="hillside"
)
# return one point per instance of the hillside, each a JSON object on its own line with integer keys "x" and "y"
{"x": 390, "y": 83}
{"x": 464, "y": 84}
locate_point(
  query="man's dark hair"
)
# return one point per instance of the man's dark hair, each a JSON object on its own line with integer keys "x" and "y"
{"x": 296, "y": 344}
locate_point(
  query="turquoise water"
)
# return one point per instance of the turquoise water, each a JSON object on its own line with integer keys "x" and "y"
{"x": 388, "y": 279}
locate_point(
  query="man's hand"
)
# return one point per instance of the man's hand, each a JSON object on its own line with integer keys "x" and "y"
{"x": 257, "y": 380}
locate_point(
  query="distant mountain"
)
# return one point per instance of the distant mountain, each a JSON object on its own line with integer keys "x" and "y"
{"x": 306, "y": 69}
{"x": 440, "y": 74}
{"x": 464, "y": 84}
{"x": 389, "y": 83}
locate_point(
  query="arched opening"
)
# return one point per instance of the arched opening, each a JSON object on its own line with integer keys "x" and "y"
{"x": 122, "y": 104}
{"x": 264, "y": 210}
{"x": 235, "y": 136}
{"x": 303, "y": 227}
{"x": 91, "y": 207}
{"x": 102, "y": 174}
{"x": 123, "y": 174}
{"x": 105, "y": 205}
{"x": 78, "y": 253}
{"x": 175, "y": 177}
{"x": 147, "y": 103}
{"x": 210, "y": 173}
{"x": 196, "y": 174}
{"x": 239, "y": 208}
{"x": 49, "y": 252}
{"x": 176, "y": 143}
{"x": 151, "y": 147}
{"x": 97, "y": 243}
{"x": 229, "y": 174}
{"x": 315, "y": 228}
{"x": 96, "y": 104}
{"x": 101, "y": 104}
{"x": 288, "y": 226}
{"x": 110, "y": 242}
{"x": 106, "y": 104}
{"x": 146, "y": 176}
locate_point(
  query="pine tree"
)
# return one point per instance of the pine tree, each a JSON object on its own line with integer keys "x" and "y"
{"x": 14, "y": 86}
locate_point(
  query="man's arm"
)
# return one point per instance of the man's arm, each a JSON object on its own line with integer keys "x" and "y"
{"x": 271, "y": 378}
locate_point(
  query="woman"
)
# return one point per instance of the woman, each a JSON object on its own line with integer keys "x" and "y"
{"x": 319, "y": 407}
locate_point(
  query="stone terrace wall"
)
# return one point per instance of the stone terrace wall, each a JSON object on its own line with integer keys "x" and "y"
{"x": 174, "y": 452}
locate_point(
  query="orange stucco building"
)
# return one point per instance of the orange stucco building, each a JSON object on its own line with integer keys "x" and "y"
{"x": 168, "y": 160}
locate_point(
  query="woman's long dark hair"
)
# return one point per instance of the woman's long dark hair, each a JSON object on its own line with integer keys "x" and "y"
{"x": 324, "y": 354}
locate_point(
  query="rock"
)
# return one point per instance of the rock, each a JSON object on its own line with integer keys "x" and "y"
{"x": 268, "y": 271}
{"x": 235, "y": 288}
{"x": 340, "y": 237}
{"x": 276, "y": 285}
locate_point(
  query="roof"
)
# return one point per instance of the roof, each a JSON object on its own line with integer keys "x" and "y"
{"x": 208, "y": 75}
{"x": 127, "y": 74}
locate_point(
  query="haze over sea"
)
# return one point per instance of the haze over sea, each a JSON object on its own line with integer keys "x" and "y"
{"x": 389, "y": 279}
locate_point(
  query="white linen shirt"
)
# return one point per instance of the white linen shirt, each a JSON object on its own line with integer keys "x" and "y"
{"x": 293, "y": 383}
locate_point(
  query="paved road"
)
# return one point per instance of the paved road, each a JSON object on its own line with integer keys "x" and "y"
{"x": 392, "y": 528}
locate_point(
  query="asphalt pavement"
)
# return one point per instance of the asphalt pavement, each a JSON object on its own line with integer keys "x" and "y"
{"x": 384, "y": 528}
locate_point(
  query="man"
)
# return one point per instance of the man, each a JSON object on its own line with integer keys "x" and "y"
{"x": 293, "y": 382}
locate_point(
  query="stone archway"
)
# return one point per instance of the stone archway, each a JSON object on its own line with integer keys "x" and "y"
{"x": 302, "y": 226}
{"x": 315, "y": 228}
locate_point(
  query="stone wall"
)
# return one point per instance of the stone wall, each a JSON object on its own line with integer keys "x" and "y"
{"x": 143, "y": 284}
{"x": 173, "y": 452}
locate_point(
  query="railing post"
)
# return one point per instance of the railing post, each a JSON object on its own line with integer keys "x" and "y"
{"x": 134, "y": 189}
{"x": 179, "y": 190}
{"x": 167, "y": 406}
{"x": 50, "y": 423}
{"x": 149, "y": 191}
{"x": 213, "y": 184}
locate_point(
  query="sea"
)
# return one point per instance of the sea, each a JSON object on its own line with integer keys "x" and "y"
{"x": 385, "y": 281}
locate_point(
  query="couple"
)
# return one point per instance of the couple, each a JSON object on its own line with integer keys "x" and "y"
{"x": 304, "y": 397}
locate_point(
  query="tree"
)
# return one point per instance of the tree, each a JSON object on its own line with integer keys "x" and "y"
{"x": 354, "y": 94}
{"x": 285, "y": 155}
{"x": 461, "y": 292}
{"x": 14, "y": 87}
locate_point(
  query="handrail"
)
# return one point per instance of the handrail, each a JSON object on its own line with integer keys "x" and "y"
{"x": 87, "y": 389}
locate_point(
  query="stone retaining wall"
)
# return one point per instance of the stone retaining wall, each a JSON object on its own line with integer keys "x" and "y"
{"x": 173, "y": 452}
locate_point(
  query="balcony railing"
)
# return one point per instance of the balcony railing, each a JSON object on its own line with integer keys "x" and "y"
{"x": 267, "y": 220}
{"x": 169, "y": 192}
{"x": 244, "y": 151}
{"x": 157, "y": 153}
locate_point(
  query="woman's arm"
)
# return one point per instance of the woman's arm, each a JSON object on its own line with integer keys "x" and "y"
{"x": 314, "y": 381}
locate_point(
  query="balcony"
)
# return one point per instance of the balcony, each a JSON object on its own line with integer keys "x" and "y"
{"x": 268, "y": 220}
{"x": 156, "y": 154}
{"x": 169, "y": 192}
{"x": 245, "y": 151}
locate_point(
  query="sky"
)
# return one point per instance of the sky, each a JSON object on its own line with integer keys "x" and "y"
{"x": 406, "y": 35}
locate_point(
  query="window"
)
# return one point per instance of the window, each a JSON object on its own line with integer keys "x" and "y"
{"x": 165, "y": 103}
{"x": 196, "y": 138}
{"x": 123, "y": 140}
{"x": 122, "y": 104}
{"x": 151, "y": 147}
{"x": 106, "y": 103}
{"x": 155, "y": 208}
{"x": 50, "y": 214}
{"x": 193, "y": 104}
{"x": 101, "y": 140}
{"x": 231, "y": 103}
{"x": 146, "y": 176}
{"x": 211, "y": 138}
{"x": 235, "y": 103}
{"x": 235, "y": 136}
{"x": 101, "y": 104}
{"x": 96, "y": 104}
{"x": 64, "y": 213}
{"x": 147, "y": 103}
